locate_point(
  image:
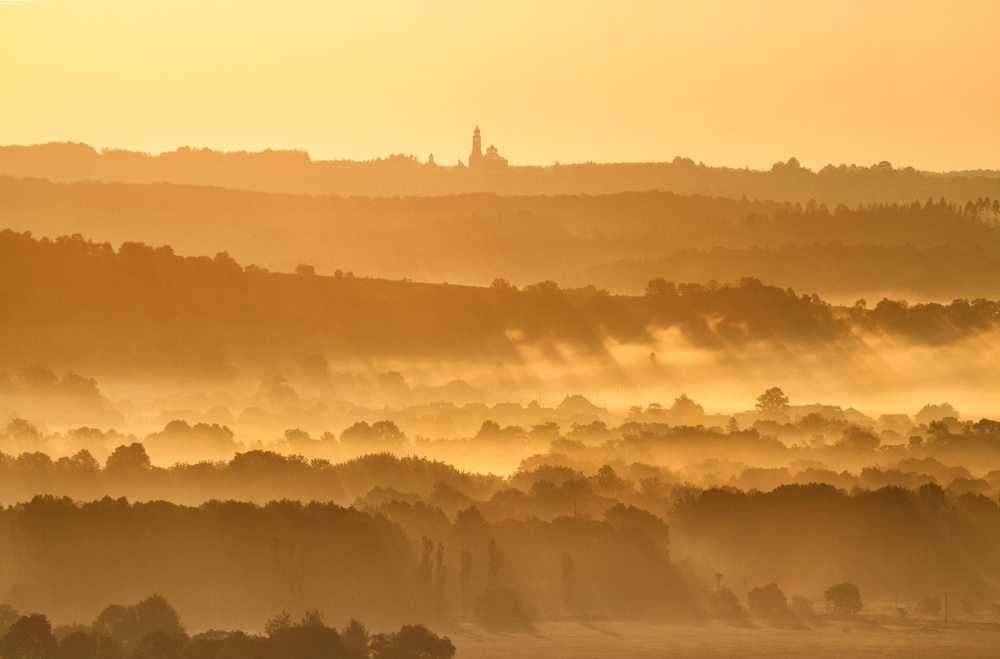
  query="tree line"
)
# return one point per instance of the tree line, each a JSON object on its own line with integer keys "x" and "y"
{"x": 405, "y": 175}
{"x": 226, "y": 563}
{"x": 615, "y": 241}
{"x": 551, "y": 543}
{"x": 152, "y": 629}
{"x": 148, "y": 309}
{"x": 835, "y": 269}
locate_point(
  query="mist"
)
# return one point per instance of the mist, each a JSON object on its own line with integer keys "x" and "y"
{"x": 277, "y": 402}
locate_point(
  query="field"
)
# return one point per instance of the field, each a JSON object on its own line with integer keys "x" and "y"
{"x": 714, "y": 639}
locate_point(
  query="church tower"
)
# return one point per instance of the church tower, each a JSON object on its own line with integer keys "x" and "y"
{"x": 476, "y": 157}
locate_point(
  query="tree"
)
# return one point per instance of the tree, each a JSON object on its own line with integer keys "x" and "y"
{"x": 488, "y": 430}
{"x": 88, "y": 644}
{"x": 425, "y": 559}
{"x": 494, "y": 560}
{"x": 281, "y": 621}
{"x": 684, "y": 410}
{"x": 411, "y": 642}
{"x": 465, "y": 580}
{"x": 725, "y": 604}
{"x": 310, "y": 639}
{"x": 21, "y": 429}
{"x": 503, "y": 286}
{"x": 772, "y": 401}
{"x": 154, "y": 614}
{"x": 30, "y": 637}
{"x": 607, "y": 482}
{"x": 385, "y": 433}
{"x": 129, "y": 625}
{"x": 159, "y": 645}
{"x": 767, "y": 601}
{"x": 567, "y": 581}
{"x": 312, "y": 618}
{"x": 118, "y": 623}
{"x": 933, "y": 493}
{"x": 8, "y": 616}
{"x": 128, "y": 459}
{"x": 356, "y": 637}
{"x": 845, "y": 598}
{"x": 440, "y": 576}
{"x": 547, "y": 287}
{"x": 660, "y": 287}
{"x": 546, "y": 432}
{"x": 856, "y": 438}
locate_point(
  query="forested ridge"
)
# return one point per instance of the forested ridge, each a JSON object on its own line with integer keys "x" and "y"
{"x": 574, "y": 240}
{"x": 402, "y": 175}
{"x": 72, "y": 303}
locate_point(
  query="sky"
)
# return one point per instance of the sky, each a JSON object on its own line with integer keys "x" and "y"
{"x": 724, "y": 82}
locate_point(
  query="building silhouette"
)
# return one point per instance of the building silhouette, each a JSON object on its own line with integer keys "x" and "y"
{"x": 491, "y": 160}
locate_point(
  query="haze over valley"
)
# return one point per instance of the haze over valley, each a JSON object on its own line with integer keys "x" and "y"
{"x": 603, "y": 371}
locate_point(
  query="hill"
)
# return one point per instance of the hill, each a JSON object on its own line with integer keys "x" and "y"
{"x": 399, "y": 175}
{"x": 573, "y": 240}
{"x": 76, "y": 304}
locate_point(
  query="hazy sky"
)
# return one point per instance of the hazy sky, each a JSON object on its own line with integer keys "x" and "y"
{"x": 734, "y": 83}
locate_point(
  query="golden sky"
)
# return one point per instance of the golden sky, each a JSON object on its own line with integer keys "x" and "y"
{"x": 736, "y": 83}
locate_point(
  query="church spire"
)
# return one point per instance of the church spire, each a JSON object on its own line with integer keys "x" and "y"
{"x": 477, "y": 148}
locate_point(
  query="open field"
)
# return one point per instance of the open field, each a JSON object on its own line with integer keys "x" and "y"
{"x": 711, "y": 640}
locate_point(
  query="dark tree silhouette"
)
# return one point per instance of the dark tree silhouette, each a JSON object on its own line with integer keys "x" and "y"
{"x": 30, "y": 637}
{"x": 772, "y": 401}
{"x": 128, "y": 460}
{"x": 128, "y": 625}
{"x": 118, "y": 623}
{"x": 845, "y": 598}
{"x": 411, "y": 642}
{"x": 88, "y": 645}
{"x": 425, "y": 559}
{"x": 154, "y": 614}
{"x": 159, "y": 645}
{"x": 356, "y": 638}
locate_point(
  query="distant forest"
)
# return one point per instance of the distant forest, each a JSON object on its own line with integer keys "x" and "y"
{"x": 822, "y": 448}
{"x": 836, "y": 270}
{"x": 401, "y": 175}
{"x": 74, "y": 304}
{"x": 616, "y": 242}
{"x": 550, "y": 544}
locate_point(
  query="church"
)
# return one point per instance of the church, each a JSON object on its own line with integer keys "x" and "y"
{"x": 489, "y": 161}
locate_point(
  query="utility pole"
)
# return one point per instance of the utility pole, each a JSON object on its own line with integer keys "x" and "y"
{"x": 946, "y": 609}
{"x": 718, "y": 582}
